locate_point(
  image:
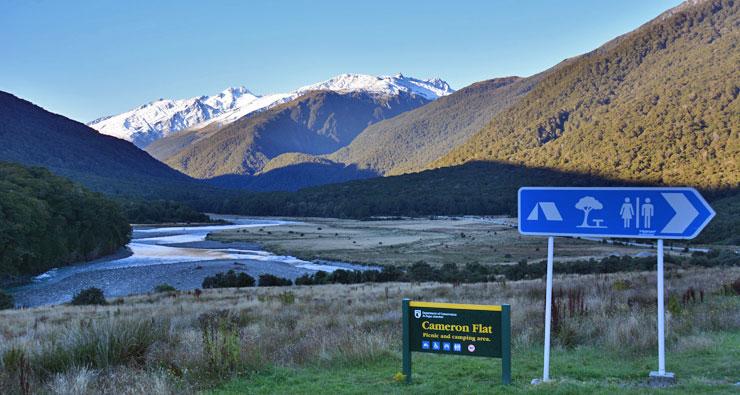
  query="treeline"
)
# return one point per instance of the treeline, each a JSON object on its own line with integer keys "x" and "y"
{"x": 725, "y": 226}
{"x": 48, "y": 221}
{"x": 232, "y": 279}
{"x": 160, "y": 211}
{"x": 476, "y": 273}
{"x": 476, "y": 188}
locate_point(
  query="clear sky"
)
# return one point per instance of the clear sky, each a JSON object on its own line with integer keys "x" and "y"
{"x": 88, "y": 59}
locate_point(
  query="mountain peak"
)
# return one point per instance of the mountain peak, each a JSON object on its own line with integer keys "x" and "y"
{"x": 383, "y": 85}
{"x": 163, "y": 117}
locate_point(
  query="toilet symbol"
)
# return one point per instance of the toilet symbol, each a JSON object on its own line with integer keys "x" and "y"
{"x": 627, "y": 212}
{"x": 647, "y": 211}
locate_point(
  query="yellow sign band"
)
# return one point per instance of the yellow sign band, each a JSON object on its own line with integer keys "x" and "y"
{"x": 455, "y": 306}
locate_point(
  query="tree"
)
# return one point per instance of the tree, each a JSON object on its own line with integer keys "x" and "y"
{"x": 588, "y": 203}
{"x": 89, "y": 296}
{"x": 6, "y": 301}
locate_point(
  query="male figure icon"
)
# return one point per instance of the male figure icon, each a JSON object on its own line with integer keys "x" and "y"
{"x": 647, "y": 211}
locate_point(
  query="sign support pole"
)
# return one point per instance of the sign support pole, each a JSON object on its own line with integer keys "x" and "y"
{"x": 661, "y": 312}
{"x": 506, "y": 344}
{"x": 406, "y": 344}
{"x": 548, "y": 308}
{"x": 661, "y": 378}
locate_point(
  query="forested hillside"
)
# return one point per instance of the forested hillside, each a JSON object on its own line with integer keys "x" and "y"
{"x": 47, "y": 221}
{"x": 413, "y": 139}
{"x": 474, "y": 188}
{"x": 319, "y": 122}
{"x": 33, "y": 136}
{"x": 659, "y": 104}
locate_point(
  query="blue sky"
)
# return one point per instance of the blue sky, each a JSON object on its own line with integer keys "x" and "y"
{"x": 89, "y": 59}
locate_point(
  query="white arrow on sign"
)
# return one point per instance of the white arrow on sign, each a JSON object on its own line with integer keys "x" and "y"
{"x": 685, "y": 213}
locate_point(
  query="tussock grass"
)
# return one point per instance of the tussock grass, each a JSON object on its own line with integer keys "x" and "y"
{"x": 177, "y": 343}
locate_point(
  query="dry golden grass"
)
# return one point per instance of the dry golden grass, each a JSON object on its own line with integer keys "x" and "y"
{"x": 177, "y": 343}
{"x": 436, "y": 241}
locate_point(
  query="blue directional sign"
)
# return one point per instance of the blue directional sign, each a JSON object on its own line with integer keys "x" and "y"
{"x": 650, "y": 213}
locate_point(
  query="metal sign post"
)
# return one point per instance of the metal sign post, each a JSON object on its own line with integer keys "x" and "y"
{"x": 647, "y": 213}
{"x": 661, "y": 374}
{"x": 548, "y": 308}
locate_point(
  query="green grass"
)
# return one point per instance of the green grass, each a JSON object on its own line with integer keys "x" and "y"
{"x": 711, "y": 367}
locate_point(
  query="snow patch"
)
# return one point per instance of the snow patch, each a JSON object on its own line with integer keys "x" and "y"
{"x": 150, "y": 122}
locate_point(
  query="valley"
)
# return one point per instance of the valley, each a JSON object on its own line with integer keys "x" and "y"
{"x": 402, "y": 242}
{"x": 262, "y": 239}
{"x": 167, "y": 254}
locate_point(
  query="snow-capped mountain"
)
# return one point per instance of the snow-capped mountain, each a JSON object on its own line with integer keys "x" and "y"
{"x": 429, "y": 89}
{"x": 163, "y": 117}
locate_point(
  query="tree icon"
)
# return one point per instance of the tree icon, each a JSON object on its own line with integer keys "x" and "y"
{"x": 588, "y": 203}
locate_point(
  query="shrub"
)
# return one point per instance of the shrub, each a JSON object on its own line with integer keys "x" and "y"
{"x": 90, "y": 296}
{"x": 221, "y": 346}
{"x": 165, "y": 288}
{"x": 268, "y": 280}
{"x": 732, "y": 288}
{"x": 305, "y": 279}
{"x": 16, "y": 364}
{"x": 287, "y": 298}
{"x": 422, "y": 271}
{"x": 229, "y": 279}
{"x": 101, "y": 345}
{"x": 6, "y": 301}
{"x": 621, "y": 285}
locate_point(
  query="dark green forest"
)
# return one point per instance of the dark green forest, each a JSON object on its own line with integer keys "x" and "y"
{"x": 48, "y": 221}
{"x": 160, "y": 211}
{"x": 475, "y": 188}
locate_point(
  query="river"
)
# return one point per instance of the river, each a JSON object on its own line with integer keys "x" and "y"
{"x": 179, "y": 256}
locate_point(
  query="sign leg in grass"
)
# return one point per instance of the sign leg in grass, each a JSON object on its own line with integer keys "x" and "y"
{"x": 457, "y": 329}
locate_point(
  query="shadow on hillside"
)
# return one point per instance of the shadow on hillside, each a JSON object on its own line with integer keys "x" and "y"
{"x": 475, "y": 188}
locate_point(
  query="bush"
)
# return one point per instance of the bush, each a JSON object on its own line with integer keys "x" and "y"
{"x": 229, "y": 279}
{"x": 90, "y": 296}
{"x": 221, "y": 346}
{"x": 102, "y": 344}
{"x": 422, "y": 271}
{"x": 6, "y": 301}
{"x": 268, "y": 280}
{"x": 165, "y": 288}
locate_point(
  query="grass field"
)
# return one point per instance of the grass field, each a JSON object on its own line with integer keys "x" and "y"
{"x": 436, "y": 241}
{"x": 703, "y": 364}
{"x": 346, "y": 339}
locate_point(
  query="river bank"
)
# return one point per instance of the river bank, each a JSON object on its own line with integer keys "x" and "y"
{"x": 177, "y": 255}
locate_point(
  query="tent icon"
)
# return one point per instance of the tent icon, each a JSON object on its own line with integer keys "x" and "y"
{"x": 549, "y": 209}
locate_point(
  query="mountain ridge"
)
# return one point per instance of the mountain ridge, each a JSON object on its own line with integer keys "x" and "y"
{"x": 164, "y": 117}
{"x": 316, "y": 123}
{"x": 32, "y": 136}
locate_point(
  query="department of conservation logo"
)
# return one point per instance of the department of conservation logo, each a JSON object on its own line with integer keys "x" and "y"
{"x": 417, "y": 313}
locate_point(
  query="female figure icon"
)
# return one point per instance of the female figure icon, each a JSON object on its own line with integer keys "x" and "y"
{"x": 627, "y": 212}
